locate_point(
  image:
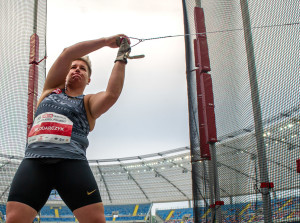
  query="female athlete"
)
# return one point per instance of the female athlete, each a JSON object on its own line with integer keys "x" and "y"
{"x": 55, "y": 155}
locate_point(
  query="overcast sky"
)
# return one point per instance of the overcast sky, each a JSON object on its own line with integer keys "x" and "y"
{"x": 152, "y": 113}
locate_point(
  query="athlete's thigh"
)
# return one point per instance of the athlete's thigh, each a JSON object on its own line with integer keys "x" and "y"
{"x": 31, "y": 184}
{"x": 93, "y": 213}
{"x": 76, "y": 184}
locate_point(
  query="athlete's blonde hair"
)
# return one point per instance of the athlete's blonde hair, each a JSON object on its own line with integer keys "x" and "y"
{"x": 87, "y": 60}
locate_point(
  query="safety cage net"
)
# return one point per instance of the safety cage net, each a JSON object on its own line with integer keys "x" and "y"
{"x": 251, "y": 172}
{"x": 22, "y": 75}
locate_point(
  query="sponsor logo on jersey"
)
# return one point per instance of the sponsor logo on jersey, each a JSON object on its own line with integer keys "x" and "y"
{"x": 51, "y": 127}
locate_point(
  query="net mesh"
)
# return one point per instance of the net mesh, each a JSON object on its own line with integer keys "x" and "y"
{"x": 17, "y": 19}
{"x": 275, "y": 30}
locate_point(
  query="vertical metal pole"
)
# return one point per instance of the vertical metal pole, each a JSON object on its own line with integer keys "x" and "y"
{"x": 198, "y": 3}
{"x": 192, "y": 124}
{"x": 218, "y": 211}
{"x": 35, "y": 16}
{"x": 261, "y": 150}
{"x": 211, "y": 189}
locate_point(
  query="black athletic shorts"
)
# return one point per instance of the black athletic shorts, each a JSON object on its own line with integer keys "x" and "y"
{"x": 73, "y": 180}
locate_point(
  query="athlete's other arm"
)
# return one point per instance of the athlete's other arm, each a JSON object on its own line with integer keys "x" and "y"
{"x": 99, "y": 103}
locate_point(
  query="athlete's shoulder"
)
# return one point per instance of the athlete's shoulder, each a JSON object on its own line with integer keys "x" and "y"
{"x": 57, "y": 91}
{"x": 47, "y": 92}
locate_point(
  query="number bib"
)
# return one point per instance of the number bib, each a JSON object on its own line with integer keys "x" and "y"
{"x": 51, "y": 127}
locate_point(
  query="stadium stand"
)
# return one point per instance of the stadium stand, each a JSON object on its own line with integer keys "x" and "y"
{"x": 132, "y": 212}
{"x": 287, "y": 211}
{"x": 2, "y": 212}
{"x": 127, "y": 213}
{"x": 135, "y": 212}
{"x": 241, "y": 212}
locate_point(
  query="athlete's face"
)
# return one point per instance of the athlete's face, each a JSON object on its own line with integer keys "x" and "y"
{"x": 78, "y": 73}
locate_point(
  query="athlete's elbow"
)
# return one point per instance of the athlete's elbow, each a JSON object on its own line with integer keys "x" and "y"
{"x": 100, "y": 107}
{"x": 112, "y": 97}
{"x": 66, "y": 52}
{"x": 69, "y": 53}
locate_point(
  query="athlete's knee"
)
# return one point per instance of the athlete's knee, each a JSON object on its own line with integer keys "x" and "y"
{"x": 14, "y": 217}
{"x": 18, "y": 218}
{"x": 96, "y": 219}
{"x": 19, "y": 213}
{"x": 91, "y": 218}
{"x": 93, "y": 213}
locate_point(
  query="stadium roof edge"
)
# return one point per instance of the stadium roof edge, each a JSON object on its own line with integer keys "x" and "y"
{"x": 160, "y": 154}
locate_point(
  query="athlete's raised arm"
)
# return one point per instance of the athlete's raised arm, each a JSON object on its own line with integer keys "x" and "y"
{"x": 60, "y": 68}
{"x": 99, "y": 103}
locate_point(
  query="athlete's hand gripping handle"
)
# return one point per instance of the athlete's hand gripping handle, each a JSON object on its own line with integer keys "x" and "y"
{"x": 124, "y": 49}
